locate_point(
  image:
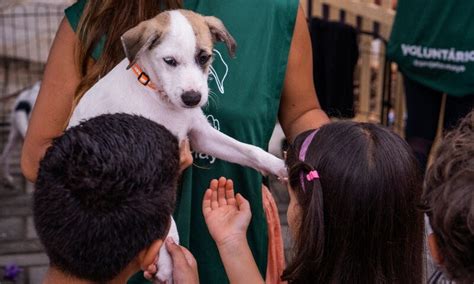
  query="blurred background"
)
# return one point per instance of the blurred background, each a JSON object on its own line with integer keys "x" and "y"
{"x": 352, "y": 77}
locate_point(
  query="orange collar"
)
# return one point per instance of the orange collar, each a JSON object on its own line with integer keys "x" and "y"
{"x": 143, "y": 78}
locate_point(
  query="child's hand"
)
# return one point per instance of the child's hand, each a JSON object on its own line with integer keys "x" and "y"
{"x": 185, "y": 156}
{"x": 184, "y": 265}
{"x": 227, "y": 216}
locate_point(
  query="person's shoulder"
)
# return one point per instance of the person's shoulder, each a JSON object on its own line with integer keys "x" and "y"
{"x": 74, "y": 12}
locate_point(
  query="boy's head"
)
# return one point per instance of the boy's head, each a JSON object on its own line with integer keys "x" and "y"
{"x": 449, "y": 202}
{"x": 105, "y": 192}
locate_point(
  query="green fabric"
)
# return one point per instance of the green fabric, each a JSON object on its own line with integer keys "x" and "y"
{"x": 433, "y": 43}
{"x": 73, "y": 14}
{"x": 244, "y": 102}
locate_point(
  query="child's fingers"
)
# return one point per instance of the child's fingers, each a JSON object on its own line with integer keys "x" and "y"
{"x": 221, "y": 192}
{"x": 147, "y": 275}
{"x": 185, "y": 155}
{"x": 242, "y": 203}
{"x": 179, "y": 260}
{"x": 189, "y": 257}
{"x": 206, "y": 202}
{"x": 214, "y": 202}
{"x": 150, "y": 271}
{"x": 229, "y": 192}
{"x": 213, "y": 184}
{"x": 222, "y": 181}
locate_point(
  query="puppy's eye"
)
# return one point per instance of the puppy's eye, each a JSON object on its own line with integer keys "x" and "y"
{"x": 170, "y": 61}
{"x": 203, "y": 58}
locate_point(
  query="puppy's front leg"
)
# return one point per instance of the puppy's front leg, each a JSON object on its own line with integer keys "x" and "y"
{"x": 164, "y": 263}
{"x": 207, "y": 140}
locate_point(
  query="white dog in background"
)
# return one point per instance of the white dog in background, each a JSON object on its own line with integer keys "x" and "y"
{"x": 19, "y": 118}
{"x": 169, "y": 57}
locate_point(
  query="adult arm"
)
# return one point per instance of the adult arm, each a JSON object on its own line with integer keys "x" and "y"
{"x": 55, "y": 100}
{"x": 299, "y": 106}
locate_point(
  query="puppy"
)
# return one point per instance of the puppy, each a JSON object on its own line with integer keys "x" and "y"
{"x": 19, "y": 123}
{"x": 164, "y": 78}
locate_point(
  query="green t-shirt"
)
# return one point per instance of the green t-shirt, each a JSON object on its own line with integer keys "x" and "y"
{"x": 244, "y": 102}
{"x": 433, "y": 43}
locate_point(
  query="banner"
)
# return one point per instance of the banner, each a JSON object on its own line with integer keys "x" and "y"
{"x": 432, "y": 41}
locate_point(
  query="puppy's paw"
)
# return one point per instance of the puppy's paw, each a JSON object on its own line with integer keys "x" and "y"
{"x": 165, "y": 263}
{"x": 276, "y": 167}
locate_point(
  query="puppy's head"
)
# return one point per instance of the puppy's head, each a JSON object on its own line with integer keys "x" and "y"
{"x": 175, "y": 50}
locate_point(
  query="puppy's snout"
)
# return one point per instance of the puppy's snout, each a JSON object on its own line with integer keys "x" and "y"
{"x": 191, "y": 98}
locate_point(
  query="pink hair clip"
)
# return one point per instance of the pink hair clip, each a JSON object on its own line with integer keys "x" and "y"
{"x": 312, "y": 175}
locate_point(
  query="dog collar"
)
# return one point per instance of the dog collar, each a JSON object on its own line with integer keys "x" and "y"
{"x": 143, "y": 78}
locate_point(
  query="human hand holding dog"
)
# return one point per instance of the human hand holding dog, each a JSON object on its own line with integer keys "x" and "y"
{"x": 227, "y": 217}
{"x": 184, "y": 265}
{"x": 185, "y": 156}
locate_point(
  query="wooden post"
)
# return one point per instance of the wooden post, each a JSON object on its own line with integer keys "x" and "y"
{"x": 334, "y": 13}
{"x": 378, "y": 66}
{"x": 365, "y": 72}
{"x": 399, "y": 106}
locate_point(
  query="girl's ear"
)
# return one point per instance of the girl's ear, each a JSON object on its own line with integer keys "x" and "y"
{"x": 148, "y": 255}
{"x": 434, "y": 249}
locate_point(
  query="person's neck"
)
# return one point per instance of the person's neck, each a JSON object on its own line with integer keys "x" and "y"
{"x": 56, "y": 276}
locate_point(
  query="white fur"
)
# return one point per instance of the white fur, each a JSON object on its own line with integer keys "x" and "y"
{"x": 120, "y": 92}
{"x": 165, "y": 271}
{"x": 179, "y": 43}
{"x": 19, "y": 124}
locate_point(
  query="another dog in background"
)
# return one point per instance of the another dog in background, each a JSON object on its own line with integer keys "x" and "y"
{"x": 19, "y": 118}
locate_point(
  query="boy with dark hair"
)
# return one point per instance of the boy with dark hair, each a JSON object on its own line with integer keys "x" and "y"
{"x": 104, "y": 196}
{"x": 449, "y": 203}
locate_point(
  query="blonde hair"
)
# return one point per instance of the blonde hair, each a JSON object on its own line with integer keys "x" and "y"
{"x": 111, "y": 18}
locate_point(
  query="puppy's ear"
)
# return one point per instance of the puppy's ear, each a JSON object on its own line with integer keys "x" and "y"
{"x": 145, "y": 35}
{"x": 220, "y": 33}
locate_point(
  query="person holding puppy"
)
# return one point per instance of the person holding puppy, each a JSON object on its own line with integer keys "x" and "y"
{"x": 270, "y": 78}
{"x": 104, "y": 195}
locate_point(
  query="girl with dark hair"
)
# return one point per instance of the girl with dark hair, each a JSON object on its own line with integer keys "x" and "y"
{"x": 354, "y": 190}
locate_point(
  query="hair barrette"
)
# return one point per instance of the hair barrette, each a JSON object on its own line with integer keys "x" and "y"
{"x": 312, "y": 175}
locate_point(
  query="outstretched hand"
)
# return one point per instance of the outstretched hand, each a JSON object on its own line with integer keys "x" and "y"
{"x": 227, "y": 215}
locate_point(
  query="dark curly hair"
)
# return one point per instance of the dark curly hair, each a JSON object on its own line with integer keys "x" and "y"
{"x": 359, "y": 221}
{"x": 105, "y": 191}
{"x": 448, "y": 200}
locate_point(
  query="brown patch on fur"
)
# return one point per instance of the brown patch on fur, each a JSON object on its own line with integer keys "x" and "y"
{"x": 204, "y": 39}
{"x": 209, "y": 29}
{"x": 144, "y": 36}
{"x": 220, "y": 33}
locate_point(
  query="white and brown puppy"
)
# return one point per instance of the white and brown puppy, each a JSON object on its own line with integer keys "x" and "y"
{"x": 164, "y": 78}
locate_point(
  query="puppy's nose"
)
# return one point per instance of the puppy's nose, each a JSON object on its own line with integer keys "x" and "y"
{"x": 191, "y": 98}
